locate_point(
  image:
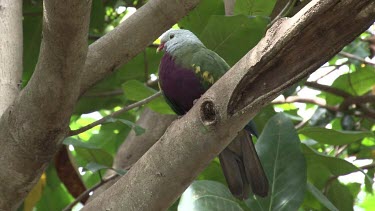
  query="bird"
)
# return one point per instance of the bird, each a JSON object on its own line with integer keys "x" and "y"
{"x": 186, "y": 71}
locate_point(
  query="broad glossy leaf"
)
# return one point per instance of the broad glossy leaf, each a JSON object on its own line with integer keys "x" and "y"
{"x": 334, "y": 137}
{"x": 321, "y": 197}
{"x": 198, "y": 18}
{"x": 254, "y": 7}
{"x": 355, "y": 83}
{"x": 322, "y": 167}
{"x": 279, "y": 151}
{"x": 85, "y": 156}
{"x": 205, "y": 195}
{"x": 233, "y": 36}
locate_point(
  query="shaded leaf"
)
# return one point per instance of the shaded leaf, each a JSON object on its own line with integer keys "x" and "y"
{"x": 254, "y": 7}
{"x": 55, "y": 196}
{"x": 340, "y": 196}
{"x": 334, "y": 137}
{"x": 233, "y": 36}
{"x": 209, "y": 196}
{"x": 136, "y": 91}
{"x": 197, "y": 19}
{"x": 79, "y": 143}
{"x": 279, "y": 151}
{"x": 322, "y": 167}
{"x": 321, "y": 197}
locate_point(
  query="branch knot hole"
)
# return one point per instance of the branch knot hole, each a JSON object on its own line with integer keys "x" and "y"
{"x": 208, "y": 113}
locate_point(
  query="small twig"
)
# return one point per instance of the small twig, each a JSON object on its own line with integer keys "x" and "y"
{"x": 334, "y": 177}
{"x": 352, "y": 56}
{"x": 86, "y": 192}
{"x": 116, "y": 113}
{"x": 296, "y": 99}
{"x": 328, "y": 89}
{"x": 340, "y": 150}
{"x": 283, "y": 12}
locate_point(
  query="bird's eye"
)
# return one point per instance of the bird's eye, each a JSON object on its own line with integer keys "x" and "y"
{"x": 171, "y": 36}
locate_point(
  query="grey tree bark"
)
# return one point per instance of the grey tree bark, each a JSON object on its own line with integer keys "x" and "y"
{"x": 10, "y": 51}
{"x": 291, "y": 49}
{"x": 35, "y": 123}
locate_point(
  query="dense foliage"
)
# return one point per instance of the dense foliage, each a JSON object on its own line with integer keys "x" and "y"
{"x": 306, "y": 147}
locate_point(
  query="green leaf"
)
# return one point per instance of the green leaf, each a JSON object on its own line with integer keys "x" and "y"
{"x": 322, "y": 167}
{"x": 55, "y": 196}
{"x": 32, "y": 36}
{"x": 334, "y": 137}
{"x": 94, "y": 167}
{"x": 355, "y": 83}
{"x": 85, "y": 156}
{"x": 340, "y": 196}
{"x": 321, "y": 197}
{"x": 233, "y": 36}
{"x": 279, "y": 151}
{"x": 369, "y": 202}
{"x": 254, "y": 7}
{"x": 137, "y": 129}
{"x": 368, "y": 183}
{"x": 198, "y": 18}
{"x": 79, "y": 143}
{"x": 97, "y": 16}
{"x": 207, "y": 195}
{"x": 136, "y": 91}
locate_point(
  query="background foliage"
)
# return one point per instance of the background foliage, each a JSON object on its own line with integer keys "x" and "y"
{"x": 306, "y": 151}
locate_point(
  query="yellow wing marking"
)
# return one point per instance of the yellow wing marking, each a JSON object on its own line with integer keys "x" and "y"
{"x": 197, "y": 69}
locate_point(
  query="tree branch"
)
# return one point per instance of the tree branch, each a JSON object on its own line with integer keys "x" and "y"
{"x": 191, "y": 142}
{"x": 329, "y": 89}
{"x": 10, "y": 51}
{"x": 134, "y": 147}
{"x": 116, "y": 113}
{"x": 296, "y": 99}
{"x": 34, "y": 126}
{"x": 355, "y": 57}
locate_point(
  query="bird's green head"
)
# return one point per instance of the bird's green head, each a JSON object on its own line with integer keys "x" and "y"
{"x": 175, "y": 39}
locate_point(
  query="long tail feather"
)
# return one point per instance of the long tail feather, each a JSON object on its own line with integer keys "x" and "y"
{"x": 242, "y": 168}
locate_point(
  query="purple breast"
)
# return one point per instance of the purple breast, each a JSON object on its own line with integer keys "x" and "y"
{"x": 180, "y": 85}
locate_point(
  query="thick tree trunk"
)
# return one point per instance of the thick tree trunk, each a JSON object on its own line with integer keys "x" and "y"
{"x": 291, "y": 49}
{"x": 33, "y": 126}
{"x": 10, "y": 51}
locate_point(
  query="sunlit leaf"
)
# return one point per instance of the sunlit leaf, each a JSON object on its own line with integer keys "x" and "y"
{"x": 334, "y": 137}
{"x": 207, "y": 195}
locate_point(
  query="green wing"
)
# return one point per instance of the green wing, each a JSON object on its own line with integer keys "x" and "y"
{"x": 208, "y": 66}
